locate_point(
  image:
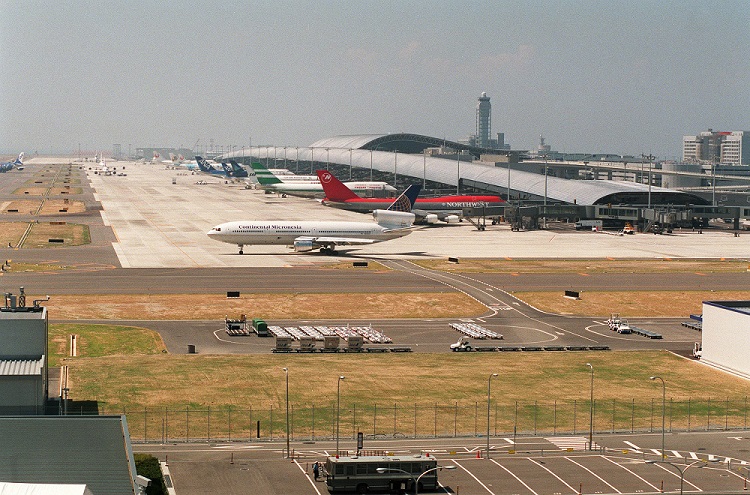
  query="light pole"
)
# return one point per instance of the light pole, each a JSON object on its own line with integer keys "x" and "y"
{"x": 286, "y": 372}
{"x": 545, "y": 191}
{"x": 681, "y": 471}
{"x": 415, "y": 481}
{"x": 591, "y": 410}
{"x": 489, "y": 384}
{"x": 458, "y": 172}
{"x": 338, "y": 411}
{"x": 663, "y": 405}
{"x": 649, "y": 157}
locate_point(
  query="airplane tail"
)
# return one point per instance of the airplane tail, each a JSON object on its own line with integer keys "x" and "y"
{"x": 237, "y": 169}
{"x": 334, "y": 189}
{"x": 399, "y": 215}
{"x": 405, "y": 202}
{"x": 19, "y": 160}
{"x": 202, "y": 164}
{"x": 264, "y": 176}
{"x": 227, "y": 169}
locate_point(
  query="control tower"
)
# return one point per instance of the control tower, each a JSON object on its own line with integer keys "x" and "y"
{"x": 484, "y": 121}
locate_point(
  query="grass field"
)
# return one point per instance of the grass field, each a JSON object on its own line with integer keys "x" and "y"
{"x": 115, "y": 361}
{"x": 269, "y": 306}
{"x": 11, "y": 232}
{"x": 609, "y": 265}
{"x": 71, "y": 234}
{"x": 630, "y": 303}
{"x": 210, "y": 396}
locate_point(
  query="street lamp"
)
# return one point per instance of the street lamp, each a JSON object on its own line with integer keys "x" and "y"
{"x": 545, "y": 191}
{"x": 663, "y": 406}
{"x": 681, "y": 471}
{"x": 338, "y": 411}
{"x": 591, "y": 410}
{"x": 286, "y": 372}
{"x": 489, "y": 383}
{"x": 415, "y": 481}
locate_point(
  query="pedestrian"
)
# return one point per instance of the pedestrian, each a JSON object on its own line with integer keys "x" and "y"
{"x": 316, "y": 470}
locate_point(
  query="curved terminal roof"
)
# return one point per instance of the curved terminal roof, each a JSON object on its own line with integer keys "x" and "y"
{"x": 404, "y": 158}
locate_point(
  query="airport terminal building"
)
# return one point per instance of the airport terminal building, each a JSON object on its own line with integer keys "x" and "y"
{"x": 403, "y": 158}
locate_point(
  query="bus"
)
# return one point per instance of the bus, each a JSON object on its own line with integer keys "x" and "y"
{"x": 359, "y": 474}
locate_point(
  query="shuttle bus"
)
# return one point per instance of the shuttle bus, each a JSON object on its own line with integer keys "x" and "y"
{"x": 360, "y": 474}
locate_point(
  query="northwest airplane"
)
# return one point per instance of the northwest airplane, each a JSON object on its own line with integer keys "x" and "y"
{"x": 302, "y": 236}
{"x": 428, "y": 210}
{"x": 310, "y": 189}
{"x": 18, "y": 162}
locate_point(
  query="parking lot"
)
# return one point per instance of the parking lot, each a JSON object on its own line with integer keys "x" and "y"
{"x": 528, "y": 465}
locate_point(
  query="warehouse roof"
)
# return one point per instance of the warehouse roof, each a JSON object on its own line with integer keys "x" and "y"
{"x": 92, "y": 450}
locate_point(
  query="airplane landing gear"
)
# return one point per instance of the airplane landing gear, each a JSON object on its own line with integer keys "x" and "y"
{"x": 241, "y": 249}
{"x": 327, "y": 250}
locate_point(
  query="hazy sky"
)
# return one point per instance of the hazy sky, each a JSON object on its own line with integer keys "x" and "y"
{"x": 591, "y": 76}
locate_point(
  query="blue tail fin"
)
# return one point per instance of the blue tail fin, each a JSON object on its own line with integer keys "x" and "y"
{"x": 202, "y": 164}
{"x": 405, "y": 202}
{"x": 237, "y": 169}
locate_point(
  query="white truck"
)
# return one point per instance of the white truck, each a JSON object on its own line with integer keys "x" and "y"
{"x": 589, "y": 225}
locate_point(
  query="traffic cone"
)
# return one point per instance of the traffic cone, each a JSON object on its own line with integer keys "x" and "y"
{"x": 479, "y": 454}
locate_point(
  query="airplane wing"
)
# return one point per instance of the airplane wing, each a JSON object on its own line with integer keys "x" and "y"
{"x": 338, "y": 241}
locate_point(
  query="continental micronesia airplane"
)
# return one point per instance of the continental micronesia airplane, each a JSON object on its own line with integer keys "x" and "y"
{"x": 18, "y": 162}
{"x": 309, "y": 188}
{"x": 308, "y": 235}
{"x": 449, "y": 209}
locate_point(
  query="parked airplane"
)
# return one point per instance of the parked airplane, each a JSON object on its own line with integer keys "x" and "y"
{"x": 233, "y": 170}
{"x": 270, "y": 182}
{"x": 304, "y": 236}
{"x": 18, "y": 162}
{"x": 449, "y": 209}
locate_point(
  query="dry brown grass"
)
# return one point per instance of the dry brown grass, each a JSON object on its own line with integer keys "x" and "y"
{"x": 664, "y": 265}
{"x": 169, "y": 380}
{"x": 23, "y": 207}
{"x": 53, "y": 207}
{"x": 270, "y": 306}
{"x": 630, "y": 303}
{"x": 11, "y": 232}
{"x": 72, "y": 235}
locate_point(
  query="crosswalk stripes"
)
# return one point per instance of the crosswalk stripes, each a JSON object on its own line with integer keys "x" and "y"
{"x": 574, "y": 443}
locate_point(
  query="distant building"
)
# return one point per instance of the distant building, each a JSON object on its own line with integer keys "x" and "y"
{"x": 717, "y": 147}
{"x": 481, "y": 138}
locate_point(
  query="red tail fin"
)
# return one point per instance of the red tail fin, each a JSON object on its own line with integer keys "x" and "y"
{"x": 334, "y": 189}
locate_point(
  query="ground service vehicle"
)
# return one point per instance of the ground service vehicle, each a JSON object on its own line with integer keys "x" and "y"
{"x": 260, "y": 327}
{"x": 463, "y": 345}
{"x": 360, "y": 474}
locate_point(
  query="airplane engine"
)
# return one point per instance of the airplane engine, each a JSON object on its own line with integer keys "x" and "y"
{"x": 452, "y": 219}
{"x": 393, "y": 219}
{"x": 303, "y": 245}
{"x": 431, "y": 218}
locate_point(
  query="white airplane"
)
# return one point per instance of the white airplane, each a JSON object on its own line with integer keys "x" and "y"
{"x": 310, "y": 188}
{"x": 17, "y": 163}
{"x": 304, "y": 236}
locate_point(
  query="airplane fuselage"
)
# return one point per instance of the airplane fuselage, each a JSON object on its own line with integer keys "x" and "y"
{"x": 285, "y": 232}
{"x": 445, "y": 203}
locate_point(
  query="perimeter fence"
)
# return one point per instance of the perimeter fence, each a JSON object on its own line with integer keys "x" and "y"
{"x": 394, "y": 420}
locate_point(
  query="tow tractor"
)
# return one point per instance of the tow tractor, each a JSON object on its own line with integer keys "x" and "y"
{"x": 463, "y": 345}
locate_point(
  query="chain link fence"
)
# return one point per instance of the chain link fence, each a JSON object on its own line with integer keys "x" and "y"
{"x": 399, "y": 420}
